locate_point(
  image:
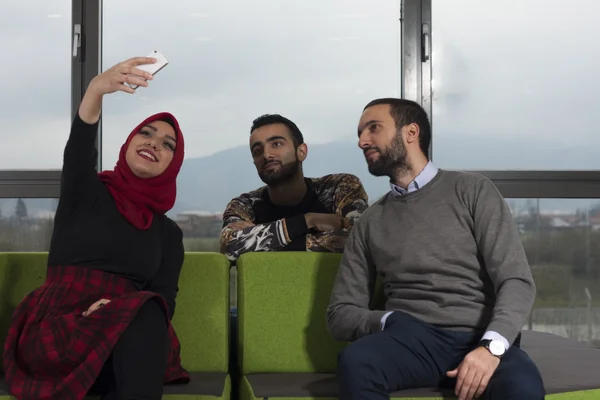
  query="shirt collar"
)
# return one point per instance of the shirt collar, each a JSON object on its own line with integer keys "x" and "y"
{"x": 424, "y": 177}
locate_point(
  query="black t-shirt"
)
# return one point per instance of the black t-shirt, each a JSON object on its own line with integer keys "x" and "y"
{"x": 266, "y": 211}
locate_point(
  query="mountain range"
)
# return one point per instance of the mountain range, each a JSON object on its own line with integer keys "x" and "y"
{"x": 209, "y": 183}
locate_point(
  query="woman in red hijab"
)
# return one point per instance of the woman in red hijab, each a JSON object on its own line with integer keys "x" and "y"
{"x": 101, "y": 322}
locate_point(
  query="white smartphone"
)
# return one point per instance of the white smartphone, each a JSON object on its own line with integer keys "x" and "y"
{"x": 161, "y": 62}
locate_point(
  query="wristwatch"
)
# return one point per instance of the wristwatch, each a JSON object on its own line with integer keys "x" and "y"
{"x": 495, "y": 347}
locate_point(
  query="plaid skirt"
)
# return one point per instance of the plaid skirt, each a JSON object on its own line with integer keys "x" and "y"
{"x": 52, "y": 352}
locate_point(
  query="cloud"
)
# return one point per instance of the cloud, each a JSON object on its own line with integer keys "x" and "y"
{"x": 258, "y": 60}
{"x": 515, "y": 74}
{"x": 502, "y": 72}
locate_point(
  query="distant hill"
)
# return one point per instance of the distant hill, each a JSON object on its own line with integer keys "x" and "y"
{"x": 209, "y": 183}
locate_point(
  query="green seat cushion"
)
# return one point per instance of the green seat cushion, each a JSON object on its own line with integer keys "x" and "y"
{"x": 201, "y": 318}
{"x": 324, "y": 386}
{"x": 569, "y": 370}
{"x": 202, "y": 312}
{"x": 314, "y": 386}
{"x": 203, "y": 385}
{"x": 287, "y": 352}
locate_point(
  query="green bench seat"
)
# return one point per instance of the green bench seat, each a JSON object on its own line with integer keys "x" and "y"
{"x": 201, "y": 318}
{"x": 286, "y": 352}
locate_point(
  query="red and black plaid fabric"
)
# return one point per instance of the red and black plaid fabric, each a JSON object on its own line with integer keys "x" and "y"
{"x": 52, "y": 352}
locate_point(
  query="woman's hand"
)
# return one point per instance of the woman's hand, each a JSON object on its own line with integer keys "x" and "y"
{"x": 112, "y": 80}
{"x": 100, "y": 303}
{"x": 115, "y": 78}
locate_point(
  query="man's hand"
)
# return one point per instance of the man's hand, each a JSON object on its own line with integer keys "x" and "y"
{"x": 95, "y": 306}
{"x": 474, "y": 373}
{"x": 239, "y": 225}
{"x": 323, "y": 222}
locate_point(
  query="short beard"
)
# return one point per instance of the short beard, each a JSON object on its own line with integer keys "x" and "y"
{"x": 392, "y": 161}
{"x": 285, "y": 173}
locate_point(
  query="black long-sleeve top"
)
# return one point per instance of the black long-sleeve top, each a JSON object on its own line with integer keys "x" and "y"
{"x": 89, "y": 231}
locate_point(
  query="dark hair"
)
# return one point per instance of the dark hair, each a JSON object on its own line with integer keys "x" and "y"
{"x": 407, "y": 112}
{"x": 270, "y": 119}
{"x": 169, "y": 121}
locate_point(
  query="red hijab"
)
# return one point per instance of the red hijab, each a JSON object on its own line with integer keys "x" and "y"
{"x": 138, "y": 199}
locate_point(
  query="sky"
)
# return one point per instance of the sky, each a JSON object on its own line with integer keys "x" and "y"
{"x": 516, "y": 74}
{"x": 503, "y": 75}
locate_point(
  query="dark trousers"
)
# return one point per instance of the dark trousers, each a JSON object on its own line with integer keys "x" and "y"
{"x": 410, "y": 353}
{"x": 136, "y": 367}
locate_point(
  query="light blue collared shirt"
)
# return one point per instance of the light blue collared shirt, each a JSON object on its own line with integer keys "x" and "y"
{"x": 422, "y": 179}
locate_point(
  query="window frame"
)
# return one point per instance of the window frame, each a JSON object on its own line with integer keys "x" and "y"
{"x": 417, "y": 73}
{"x": 416, "y": 68}
{"x": 85, "y": 64}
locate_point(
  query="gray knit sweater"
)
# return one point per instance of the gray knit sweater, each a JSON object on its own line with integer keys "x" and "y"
{"x": 448, "y": 254}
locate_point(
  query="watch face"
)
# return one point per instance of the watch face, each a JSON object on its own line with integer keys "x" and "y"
{"x": 496, "y": 348}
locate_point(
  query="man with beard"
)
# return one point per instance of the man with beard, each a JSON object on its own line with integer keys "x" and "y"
{"x": 455, "y": 275}
{"x": 290, "y": 213}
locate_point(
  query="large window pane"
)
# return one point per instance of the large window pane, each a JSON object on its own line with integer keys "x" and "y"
{"x": 26, "y": 224}
{"x": 562, "y": 241}
{"x": 317, "y": 63}
{"x": 200, "y": 230}
{"x": 515, "y": 84}
{"x": 35, "y": 82}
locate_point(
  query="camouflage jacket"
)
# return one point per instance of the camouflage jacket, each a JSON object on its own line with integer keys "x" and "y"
{"x": 342, "y": 194}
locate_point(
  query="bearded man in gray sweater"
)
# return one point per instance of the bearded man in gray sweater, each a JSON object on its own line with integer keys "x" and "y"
{"x": 457, "y": 282}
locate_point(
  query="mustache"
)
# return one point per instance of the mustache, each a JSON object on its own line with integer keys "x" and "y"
{"x": 267, "y": 163}
{"x": 370, "y": 148}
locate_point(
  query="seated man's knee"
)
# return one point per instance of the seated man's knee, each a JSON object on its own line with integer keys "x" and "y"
{"x": 523, "y": 389}
{"x": 529, "y": 386}
{"x": 524, "y": 384}
{"x": 355, "y": 360}
{"x": 360, "y": 372}
{"x": 529, "y": 383}
{"x": 535, "y": 392}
